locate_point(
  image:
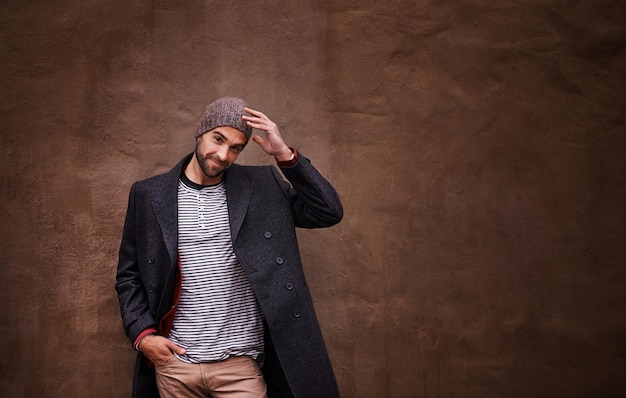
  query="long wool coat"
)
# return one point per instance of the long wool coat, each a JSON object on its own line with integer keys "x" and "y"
{"x": 263, "y": 212}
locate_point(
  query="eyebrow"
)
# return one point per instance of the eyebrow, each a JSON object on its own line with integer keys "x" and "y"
{"x": 227, "y": 140}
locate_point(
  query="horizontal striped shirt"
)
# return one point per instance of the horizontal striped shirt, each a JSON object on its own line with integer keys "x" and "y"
{"x": 217, "y": 315}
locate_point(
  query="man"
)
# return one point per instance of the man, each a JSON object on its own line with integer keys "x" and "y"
{"x": 210, "y": 281}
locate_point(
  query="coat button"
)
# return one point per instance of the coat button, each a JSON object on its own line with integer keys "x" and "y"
{"x": 152, "y": 288}
{"x": 267, "y": 235}
{"x": 289, "y": 286}
{"x": 279, "y": 260}
{"x": 296, "y": 314}
{"x": 151, "y": 260}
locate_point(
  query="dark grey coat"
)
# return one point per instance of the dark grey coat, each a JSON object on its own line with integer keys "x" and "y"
{"x": 264, "y": 211}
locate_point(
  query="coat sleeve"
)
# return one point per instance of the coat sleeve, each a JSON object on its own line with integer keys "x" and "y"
{"x": 133, "y": 300}
{"x": 314, "y": 200}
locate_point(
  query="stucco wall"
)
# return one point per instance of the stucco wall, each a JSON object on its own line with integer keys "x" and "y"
{"x": 478, "y": 147}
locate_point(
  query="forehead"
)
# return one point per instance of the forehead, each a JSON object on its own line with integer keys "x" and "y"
{"x": 229, "y": 134}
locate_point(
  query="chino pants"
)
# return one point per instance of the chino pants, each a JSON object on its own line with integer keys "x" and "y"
{"x": 235, "y": 377}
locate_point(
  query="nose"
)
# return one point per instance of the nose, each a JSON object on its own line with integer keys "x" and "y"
{"x": 222, "y": 153}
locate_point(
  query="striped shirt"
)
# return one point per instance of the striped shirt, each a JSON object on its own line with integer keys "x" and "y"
{"x": 217, "y": 315}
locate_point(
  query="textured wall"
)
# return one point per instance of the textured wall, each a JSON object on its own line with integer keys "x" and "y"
{"x": 478, "y": 147}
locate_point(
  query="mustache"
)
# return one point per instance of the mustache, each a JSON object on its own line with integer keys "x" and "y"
{"x": 214, "y": 159}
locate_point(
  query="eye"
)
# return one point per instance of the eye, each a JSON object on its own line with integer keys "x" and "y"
{"x": 217, "y": 139}
{"x": 236, "y": 149}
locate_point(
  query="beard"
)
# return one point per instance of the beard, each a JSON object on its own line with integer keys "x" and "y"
{"x": 211, "y": 170}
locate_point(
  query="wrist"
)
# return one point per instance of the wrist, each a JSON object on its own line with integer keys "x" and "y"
{"x": 292, "y": 161}
{"x": 142, "y": 340}
{"x": 285, "y": 155}
{"x": 142, "y": 335}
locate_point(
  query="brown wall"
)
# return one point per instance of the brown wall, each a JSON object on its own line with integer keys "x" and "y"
{"x": 478, "y": 147}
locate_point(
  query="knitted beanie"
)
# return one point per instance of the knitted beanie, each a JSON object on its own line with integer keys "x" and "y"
{"x": 225, "y": 111}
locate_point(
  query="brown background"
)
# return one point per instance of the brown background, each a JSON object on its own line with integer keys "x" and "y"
{"x": 478, "y": 147}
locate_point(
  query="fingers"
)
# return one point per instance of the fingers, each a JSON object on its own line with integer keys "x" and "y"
{"x": 258, "y": 139}
{"x": 256, "y": 113}
{"x": 272, "y": 142}
{"x": 256, "y": 116}
{"x": 159, "y": 349}
{"x": 259, "y": 120}
{"x": 175, "y": 348}
{"x": 261, "y": 124}
{"x": 165, "y": 352}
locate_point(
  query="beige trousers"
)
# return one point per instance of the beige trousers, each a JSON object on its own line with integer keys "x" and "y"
{"x": 235, "y": 377}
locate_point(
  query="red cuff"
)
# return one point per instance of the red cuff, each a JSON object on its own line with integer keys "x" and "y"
{"x": 289, "y": 163}
{"x": 142, "y": 335}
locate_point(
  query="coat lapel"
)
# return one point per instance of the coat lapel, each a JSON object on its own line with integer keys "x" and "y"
{"x": 238, "y": 193}
{"x": 165, "y": 204}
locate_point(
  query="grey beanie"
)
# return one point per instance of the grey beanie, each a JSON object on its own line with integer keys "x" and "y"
{"x": 225, "y": 111}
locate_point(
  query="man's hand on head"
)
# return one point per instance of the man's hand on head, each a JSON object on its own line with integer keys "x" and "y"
{"x": 273, "y": 142}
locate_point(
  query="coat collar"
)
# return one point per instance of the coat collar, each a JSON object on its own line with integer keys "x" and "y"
{"x": 238, "y": 193}
{"x": 165, "y": 202}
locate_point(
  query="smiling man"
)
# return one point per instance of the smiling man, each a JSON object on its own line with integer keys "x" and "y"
{"x": 209, "y": 280}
